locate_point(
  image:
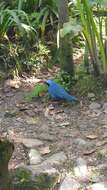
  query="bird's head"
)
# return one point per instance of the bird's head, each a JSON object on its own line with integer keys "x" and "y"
{"x": 48, "y": 82}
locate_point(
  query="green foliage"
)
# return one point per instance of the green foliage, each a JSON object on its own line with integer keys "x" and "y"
{"x": 87, "y": 84}
{"x": 24, "y": 181}
{"x": 8, "y": 57}
{"x": 14, "y": 25}
{"x": 16, "y": 19}
{"x": 65, "y": 80}
{"x": 43, "y": 55}
{"x": 19, "y": 57}
{"x": 45, "y": 182}
{"x": 21, "y": 23}
{"x": 42, "y": 13}
{"x": 22, "y": 175}
{"x": 48, "y": 12}
{"x": 38, "y": 90}
{"x": 93, "y": 34}
{"x": 36, "y": 58}
{"x": 103, "y": 3}
{"x": 25, "y": 25}
{"x": 82, "y": 84}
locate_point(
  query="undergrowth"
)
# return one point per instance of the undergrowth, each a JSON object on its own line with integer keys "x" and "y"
{"x": 88, "y": 84}
{"x": 65, "y": 80}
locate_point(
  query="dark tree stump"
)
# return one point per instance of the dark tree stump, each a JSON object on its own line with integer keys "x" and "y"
{"x": 6, "y": 150}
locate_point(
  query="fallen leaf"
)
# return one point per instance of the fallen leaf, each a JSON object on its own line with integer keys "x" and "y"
{"x": 42, "y": 94}
{"x": 89, "y": 152}
{"x": 12, "y": 83}
{"x": 105, "y": 126}
{"x": 44, "y": 150}
{"x": 59, "y": 111}
{"x": 63, "y": 124}
{"x": 51, "y": 107}
{"x": 91, "y": 137}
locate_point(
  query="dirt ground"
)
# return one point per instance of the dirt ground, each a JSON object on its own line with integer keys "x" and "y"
{"x": 76, "y": 129}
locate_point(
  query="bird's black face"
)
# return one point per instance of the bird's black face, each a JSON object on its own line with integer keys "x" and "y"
{"x": 46, "y": 83}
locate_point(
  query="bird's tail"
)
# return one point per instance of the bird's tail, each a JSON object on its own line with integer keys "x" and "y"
{"x": 71, "y": 98}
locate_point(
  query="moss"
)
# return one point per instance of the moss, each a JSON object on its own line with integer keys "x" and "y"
{"x": 6, "y": 150}
{"x": 22, "y": 175}
{"x": 23, "y": 181}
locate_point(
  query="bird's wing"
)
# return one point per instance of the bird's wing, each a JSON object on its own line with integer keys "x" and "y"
{"x": 58, "y": 91}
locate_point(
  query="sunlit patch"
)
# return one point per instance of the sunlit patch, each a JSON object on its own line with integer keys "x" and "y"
{"x": 81, "y": 171}
{"x": 99, "y": 186}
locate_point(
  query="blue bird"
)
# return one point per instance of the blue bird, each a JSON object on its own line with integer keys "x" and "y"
{"x": 57, "y": 92}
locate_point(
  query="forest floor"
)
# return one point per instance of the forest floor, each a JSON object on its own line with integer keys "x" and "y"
{"x": 78, "y": 132}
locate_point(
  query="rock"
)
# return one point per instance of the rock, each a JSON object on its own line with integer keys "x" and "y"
{"x": 83, "y": 145}
{"x": 105, "y": 106}
{"x": 94, "y": 106}
{"x": 41, "y": 168}
{"x": 69, "y": 183}
{"x": 34, "y": 157}
{"x": 12, "y": 84}
{"x": 81, "y": 169}
{"x": 47, "y": 137}
{"x": 56, "y": 159}
{"x": 98, "y": 186}
{"x": 97, "y": 112}
{"x": 104, "y": 119}
{"x": 79, "y": 142}
{"x": 105, "y": 111}
{"x": 31, "y": 143}
{"x": 51, "y": 107}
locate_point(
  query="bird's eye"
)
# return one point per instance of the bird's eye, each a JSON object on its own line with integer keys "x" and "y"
{"x": 46, "y": 83}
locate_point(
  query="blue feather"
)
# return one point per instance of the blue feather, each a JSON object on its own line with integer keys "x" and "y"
{"x": 57, "y": 92}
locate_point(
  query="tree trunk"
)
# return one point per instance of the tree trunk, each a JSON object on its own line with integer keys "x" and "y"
{"x": 65, "y": 44}
{"x": 6, "y": 150}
